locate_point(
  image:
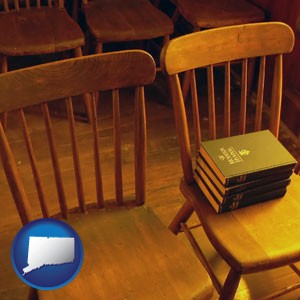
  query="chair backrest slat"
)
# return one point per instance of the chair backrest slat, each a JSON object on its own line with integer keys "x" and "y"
{"x": 60, "y": 139}
{"x": 243, "y": 108}
{"x": 227, "y": 106}
{"x": 33, "y": 163}
{"x": 117, "y": 147}
{"x": 55, "y": 162}
{"x": 221, "y": 48}
{"x": 75, "y": 154}
{"x": 140, "y": 145}
{"x": 260, "y": 93}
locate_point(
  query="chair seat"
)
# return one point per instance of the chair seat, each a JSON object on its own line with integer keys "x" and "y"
{"x": 38, "y": 31}
{"x": 119, "y": 20}
{"x": 257, "y": 237}
{"x": 132, "y": 255}
{"x": 216, "y": 13}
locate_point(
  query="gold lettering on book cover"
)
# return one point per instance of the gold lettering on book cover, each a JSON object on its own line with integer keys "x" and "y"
{"x": 232, "y": 156}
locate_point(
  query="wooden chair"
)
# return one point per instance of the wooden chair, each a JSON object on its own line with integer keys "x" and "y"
{"x": 259, "y": 237}
{"x": 128, "y": 253}
{"x": 123, "y": 21}
{"x": 203, "y": 14}
{"x": 37, "y": 29}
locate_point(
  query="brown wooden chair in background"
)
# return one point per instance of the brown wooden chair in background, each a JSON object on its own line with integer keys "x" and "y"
{"x": 128, "y": 253}
{"x": 259, "y": 237}
{"x": 203, "y": 14}
{"x": 125, "y": 20}
{"x": 36, "y": 29}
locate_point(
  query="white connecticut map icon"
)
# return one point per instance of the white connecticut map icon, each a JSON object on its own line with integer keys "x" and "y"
{"x": 46, "y": 251}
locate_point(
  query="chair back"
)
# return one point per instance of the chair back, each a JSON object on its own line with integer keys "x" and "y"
{"x": 16, "y": 5}
{"x": 224, "y": 46}
{"x": 73, "y": 158}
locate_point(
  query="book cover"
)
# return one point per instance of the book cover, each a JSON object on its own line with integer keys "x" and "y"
{"x": 242, "y": 158}
{"x": 229, "y": 206}
{"x": 244, "y": 195}
{"x": 205, "y": 171}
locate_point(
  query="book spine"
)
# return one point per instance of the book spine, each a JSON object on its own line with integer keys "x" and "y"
{"x": 205, "y": 172}
{"x": 229, "y": 206}
{"x": 255, "y": 175}
{"x": 246, "y": 195}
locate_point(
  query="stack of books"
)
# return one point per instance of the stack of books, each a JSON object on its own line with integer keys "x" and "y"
{"x": 243, "y": 170}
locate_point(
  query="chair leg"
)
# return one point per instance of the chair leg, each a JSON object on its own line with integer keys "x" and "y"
{"x": 175, "y": 16}
{"x": 86, "y": 97}
{"x": 4, "y": 69}
{"x": 32, "y": 294}
{"x": 230, "y": 286}
{"x": 181, "y": 217}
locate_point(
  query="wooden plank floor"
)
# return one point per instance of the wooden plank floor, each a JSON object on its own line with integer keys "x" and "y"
{"x": 164, "y": 172}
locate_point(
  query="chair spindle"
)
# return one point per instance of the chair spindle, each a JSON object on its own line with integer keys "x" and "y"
{"x": 183, "y": 137}
{"x": 276, "y": 96}
{"x": 117, "y": 147}
{"x": 14, "y": 179}
{"x": 211, "y": 103}
{"x": 196, "y": 117}
{"x": 16, "y": 4}
{"x": 98, "y": 176}
{"x": 260, "y": 94}
{"x": 140, "y": 146}
{"x": 6, "y": 5}
{"x": 75, "y": 152}
{"x": 243, "y": 107}
{"x": 27, "y": 4}
{"x": 227, "y": 108}
{"x": 33, "y": 163}
{"x": 55, "y": 162}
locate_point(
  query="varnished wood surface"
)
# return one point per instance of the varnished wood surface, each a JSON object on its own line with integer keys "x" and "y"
{"x": 128, "y": 252}
{"x": 38, "y": 31}
{"x": 241, "y": 237}
{"x": 226, "y": 44}
{"x": 87, "y": 72}
{"x": 129, "y": 20}
{"x": 123, "y": 259}
{"x": 262, "y": 236}
{"x": 163, "y": 174}
{"x": 214, "y": 13}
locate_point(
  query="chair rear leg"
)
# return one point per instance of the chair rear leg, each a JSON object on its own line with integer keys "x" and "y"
{"x": 230, "y": 286}
{"x": 187, "y": 79}
{"x": 181, "y": 217}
